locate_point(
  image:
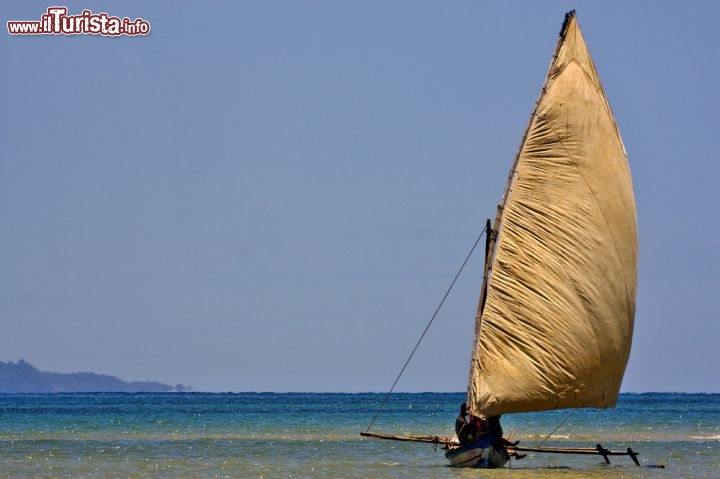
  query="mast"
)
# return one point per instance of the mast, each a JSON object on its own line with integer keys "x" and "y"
{"x": 492, "y": 233}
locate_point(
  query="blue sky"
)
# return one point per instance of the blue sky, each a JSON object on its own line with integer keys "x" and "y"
{"x": 273, "y": 196}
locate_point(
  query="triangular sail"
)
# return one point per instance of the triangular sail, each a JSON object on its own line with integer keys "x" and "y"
{"x": 556, "y": 327}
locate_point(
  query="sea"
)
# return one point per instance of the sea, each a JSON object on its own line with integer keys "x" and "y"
{"x": 315, "y": 435}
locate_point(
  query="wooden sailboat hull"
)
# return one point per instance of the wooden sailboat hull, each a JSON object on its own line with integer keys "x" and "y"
{"x": 482, "y": 453}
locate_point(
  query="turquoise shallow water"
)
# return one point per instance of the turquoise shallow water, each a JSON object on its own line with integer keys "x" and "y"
{"x": 317, "y": 436}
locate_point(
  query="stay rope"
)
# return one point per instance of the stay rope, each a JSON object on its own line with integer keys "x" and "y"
{"x": 392, "y": 388}
{"x": 558, "y": 427}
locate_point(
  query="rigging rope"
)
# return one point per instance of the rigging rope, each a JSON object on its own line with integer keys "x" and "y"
{"x": 392, "y": 388}
{"x": 558, "y": 427}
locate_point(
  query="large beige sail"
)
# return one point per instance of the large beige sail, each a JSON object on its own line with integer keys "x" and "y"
{"x": 556, "y": 328}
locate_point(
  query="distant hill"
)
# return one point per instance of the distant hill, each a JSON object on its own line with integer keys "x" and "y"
{"x": 21, "y": 377}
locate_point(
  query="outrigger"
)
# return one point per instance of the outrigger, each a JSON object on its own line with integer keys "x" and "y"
{"x": 518, "y": 452}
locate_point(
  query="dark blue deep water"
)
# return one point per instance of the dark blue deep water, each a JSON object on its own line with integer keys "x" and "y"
{"x": 267, "y": 435}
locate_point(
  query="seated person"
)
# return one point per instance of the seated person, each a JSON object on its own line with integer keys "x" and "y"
{"x": 465, "y": 427}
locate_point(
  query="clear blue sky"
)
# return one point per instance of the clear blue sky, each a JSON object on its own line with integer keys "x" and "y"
{"x": 273, "y": 196}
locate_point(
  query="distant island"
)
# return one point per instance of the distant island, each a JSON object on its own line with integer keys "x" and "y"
{"x": 22, "y": 377}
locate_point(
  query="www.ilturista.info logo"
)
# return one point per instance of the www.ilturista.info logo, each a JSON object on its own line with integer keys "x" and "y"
{"x": 57, "y": 22}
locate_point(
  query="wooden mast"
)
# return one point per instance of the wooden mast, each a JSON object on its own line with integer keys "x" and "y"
{"x": 492, "y": 233}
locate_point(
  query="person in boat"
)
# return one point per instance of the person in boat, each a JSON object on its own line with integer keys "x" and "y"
{"x": 494, "y": 426}
{"x": 465, "y": 429}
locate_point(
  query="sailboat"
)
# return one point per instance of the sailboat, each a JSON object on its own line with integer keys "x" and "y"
{"x": 555, "y": 318}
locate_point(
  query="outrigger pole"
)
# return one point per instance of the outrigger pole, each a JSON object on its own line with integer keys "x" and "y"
{"x": 426, "y": 439}
{"x": 599, "y": 449}
{"x": 514, "y": 450}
